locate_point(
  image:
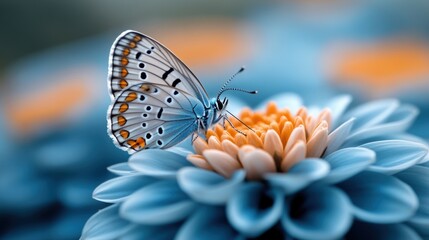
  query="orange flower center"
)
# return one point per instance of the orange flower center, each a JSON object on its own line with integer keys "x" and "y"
{"x": 262, "y": 142}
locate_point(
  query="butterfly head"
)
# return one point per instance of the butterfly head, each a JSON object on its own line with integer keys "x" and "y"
{"x": 220, "y": 105}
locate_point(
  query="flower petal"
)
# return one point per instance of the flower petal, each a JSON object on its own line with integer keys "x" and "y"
{"x": 159, "y": 203}
{"x": 337, "y": 106}
{"x": 363, "y": 230}
{"x": 222, "y": 162}
{"x": 209, "y": 187}
{"x": 317, "y": 213}
{"x": 348, "y": 162}
{"x": 253, "y": 210}
{"x": 121, "y": 169}
{"x": 372, "y": 113}
{"x": 256, "y": 162}
{"x": 154, "y": 232}
{"x": 397, "y": 122}
{"x": 417, "y": 177}
{"x": 105, "y": 224}
{"x": 158, "y": 163}
{"x": 207, "y": 223}
{"x": 395, "y": 155}
{"x": 337, "y": 137}
{"x": 380, "y": 198}
{"x": 118, "y": 189}
{"x": 300, "y": 175}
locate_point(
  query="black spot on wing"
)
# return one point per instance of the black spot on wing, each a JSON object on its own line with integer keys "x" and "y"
{"x": 175, "y": 82}
{"x": 165, "y": 75}
{"x": 159, "y": 114}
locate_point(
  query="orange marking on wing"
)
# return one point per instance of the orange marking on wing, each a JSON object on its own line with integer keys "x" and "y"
{"x": 137, "y": 38}
{"x": 124, "y": 61}
{"x": 123, "y": 83}
{"x": 131, "y": 97}
{"x": 145, "y": 87}
{"x": 122, "y": 120}
{"x": 141, "y": 142}
{"x": 126, "y": 51}
{"x": 123, "y": 108}
{"x": 124, "y": 133}
{"x": 137, "y": 144}
{"x": 124, "y": 72}
{"x": 132, "y": 44}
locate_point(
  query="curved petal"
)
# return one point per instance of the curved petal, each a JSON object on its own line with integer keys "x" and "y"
{"x": 318, "y": 213}
{"x": 253, "y": 210}
{"x": 121, "y": 169}
{"x": 157, "y": 232}
{"x": 300, "y": 175}
{"x": 363, "y": 230}
{"x": 395, "y": 155}
{"x": 337, "y": 137}
{"x": 209, "y": 187}
{"x": 380, "y": 198}
{"x": 417, "y": 177}
{"x": 398, "y": 121}
{"x": 347, "y": 162}
{"x": 337, "y": 106}
{"x": 207, "y": 223}
{"x": 372, "y": 113}
{"x": 106, "y": 224}
{"x": 118, "y": 189}
{"x": 158, "y": 163}
{"x": 162, "y": 202}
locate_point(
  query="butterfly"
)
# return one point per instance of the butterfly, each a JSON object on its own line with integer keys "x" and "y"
{"x": 157, "y": 101}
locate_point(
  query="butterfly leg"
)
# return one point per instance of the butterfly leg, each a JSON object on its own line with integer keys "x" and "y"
{"x": 230, "y": 123}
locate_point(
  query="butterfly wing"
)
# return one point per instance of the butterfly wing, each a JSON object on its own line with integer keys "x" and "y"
{"x": 136, "y": 58}
{"x": 152, "y": 115}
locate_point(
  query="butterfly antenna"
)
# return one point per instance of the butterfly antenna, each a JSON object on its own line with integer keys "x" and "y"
{"x": 228, "y": 81}
{"x": 238, "y": 119}
{"x": 236, "y": 89}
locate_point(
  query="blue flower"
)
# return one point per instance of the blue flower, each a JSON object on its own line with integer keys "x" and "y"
{"x": 321, "y": 173}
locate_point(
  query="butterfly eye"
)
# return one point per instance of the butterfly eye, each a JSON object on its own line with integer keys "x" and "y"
{"x": 219, "y": 104}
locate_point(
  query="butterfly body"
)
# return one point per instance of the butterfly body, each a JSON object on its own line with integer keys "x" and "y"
{"x": 157, "y": 101}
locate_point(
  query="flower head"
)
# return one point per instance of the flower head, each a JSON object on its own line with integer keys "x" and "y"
{"x": 263, "y": 142}
{"x": 321, "y": 173}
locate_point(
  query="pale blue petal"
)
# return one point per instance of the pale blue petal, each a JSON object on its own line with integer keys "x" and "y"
{"x": 121, "y": 169}
{"x": 105, "y": 225}
{"x": 209, "y": 187}
{"x": 318, "y": 213}
{"x": 337, "y": 106}
{"x": 372, "y": 113}
{"x": 208, "y": 223}
{"x": 337, "y": 137}
{"x": 347, "y": 162}
{"x": 162, "y": 202}
{"x": 368, "y": 231}
{"x": 158, "y": 163}
{"x": 396, "y": 155}
{"x": 417, "y": 177}
{"x": 380, "y": 198}
{"x": 154, "y": 232}
{"x": 397, "y": 122}
{"x": 118, "y": 189}
{"x": 179, "y": 150}
{"x": 300, "y": 175}
{"x": 254, "y": 209}
{"x": 285, "y": 100}
{"x": 421, "y": 229}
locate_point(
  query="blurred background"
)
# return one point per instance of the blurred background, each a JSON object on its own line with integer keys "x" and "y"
{"x": 54, "y": 149}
